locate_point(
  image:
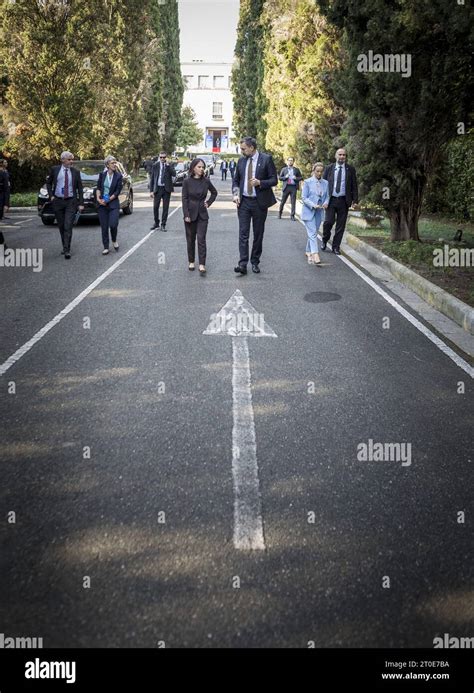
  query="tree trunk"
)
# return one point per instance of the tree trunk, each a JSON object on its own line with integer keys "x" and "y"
{"x": 404, "y": 218}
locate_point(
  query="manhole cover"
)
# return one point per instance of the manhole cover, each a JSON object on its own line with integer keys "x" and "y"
{"x": 321, "y": 297}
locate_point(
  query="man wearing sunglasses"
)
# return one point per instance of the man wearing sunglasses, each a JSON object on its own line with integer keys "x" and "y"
{"x": 161, "y": 187}
{"x": 65, "y": 192}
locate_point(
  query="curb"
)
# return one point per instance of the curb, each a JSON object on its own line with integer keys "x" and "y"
{"x": 449, "y": 305}
{"x": 15, "y": 210}
{"x": 440, "y": 299}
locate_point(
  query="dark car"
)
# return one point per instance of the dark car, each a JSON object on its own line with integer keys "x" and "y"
{"x": 209, "y": 161}
{"x": 89, "y": 175}
{"x": 181, "y": 170}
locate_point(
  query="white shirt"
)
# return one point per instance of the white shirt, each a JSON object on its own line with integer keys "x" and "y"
{"x": 342, "y": 192}
{"x": 254, "y": 168}
{"x": 59, "y": 192}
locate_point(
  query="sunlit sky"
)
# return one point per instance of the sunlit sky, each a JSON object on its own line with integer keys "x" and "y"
{"x": 208, "y": 29}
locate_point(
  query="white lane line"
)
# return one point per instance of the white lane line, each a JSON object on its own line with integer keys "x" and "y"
{"x": 75, "y": 302}
{"x": 248, "y": 525}
{"x": 458, "y": 360}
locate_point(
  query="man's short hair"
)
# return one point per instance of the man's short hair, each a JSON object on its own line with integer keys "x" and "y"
{"x": 163, "y": 153}
{"x": 66, "y": 155}
{"x": 249, "y": 141}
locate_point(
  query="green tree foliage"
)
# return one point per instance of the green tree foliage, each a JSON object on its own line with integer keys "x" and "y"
{"x": 94, "y": 77}
{"x": 49, "y": 92}
{"x": 173, "y": 87}
{"x": 189, "y": 133}
{"x": 398, "y": 125}
{"x": 248, "y": 72}
{"x": 301, "y": 53}
{"x": 450, "y": 190}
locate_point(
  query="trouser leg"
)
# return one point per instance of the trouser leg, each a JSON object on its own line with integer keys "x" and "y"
{"x": 258, "y": 223}
{"x": 104, "y": 225}
{"x": 201, "y": 240}
{"x": 69, "y": 214}
{"x": 329, "y": 220}
{"x": 341, "y": 218}
{"x": 191, "y": 229}
{"x": 114, "y": 215}
{"x": 166, "y": 206}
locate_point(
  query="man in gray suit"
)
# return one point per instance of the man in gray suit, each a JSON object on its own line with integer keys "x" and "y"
{"x": 291, "y": 177}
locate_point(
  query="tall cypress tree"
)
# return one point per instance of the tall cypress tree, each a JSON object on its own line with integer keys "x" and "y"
{"x": 399, "y": 120}
{"x": 248, "y": 71}
{"x": 170, "y": 80}
{"x": 301, "y": 53}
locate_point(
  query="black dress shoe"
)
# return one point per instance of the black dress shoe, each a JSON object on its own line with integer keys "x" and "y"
{"x": 336, "y": 251}
{"x": 67, "y": 255}
{"x": 323, "y": 245}
{"x": 155, "y": 226}
{"x": 240, "y": 270}
{"x": 256, "y": 269}
{"x": 163, "y": 228}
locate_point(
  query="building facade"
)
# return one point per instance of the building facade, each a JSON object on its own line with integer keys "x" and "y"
{"x": 207, "y": 91}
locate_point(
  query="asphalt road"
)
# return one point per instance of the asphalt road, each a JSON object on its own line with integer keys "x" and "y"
{"x": 116, "y": 451}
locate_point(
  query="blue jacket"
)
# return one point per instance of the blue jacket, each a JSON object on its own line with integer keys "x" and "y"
{"x": 309, "y": 197}
{"x": 115, "y": 188}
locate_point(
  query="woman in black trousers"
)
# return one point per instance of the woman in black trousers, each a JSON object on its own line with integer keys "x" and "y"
{"x": 196, "y": 217}
{"x": 109, "y": 187}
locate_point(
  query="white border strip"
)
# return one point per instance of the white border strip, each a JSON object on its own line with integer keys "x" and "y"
{"x": 458, "y": 360}
{"x": 75, "y": 302}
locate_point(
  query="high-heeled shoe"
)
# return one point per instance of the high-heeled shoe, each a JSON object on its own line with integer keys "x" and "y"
{"x": 310, "y": 259}
{"x": 202, "y": 269}
{"x": 191, "y": 266}
{"x": 316, "y": 259}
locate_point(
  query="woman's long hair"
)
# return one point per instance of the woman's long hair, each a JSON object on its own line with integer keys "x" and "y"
{"x": 193, "y": 165}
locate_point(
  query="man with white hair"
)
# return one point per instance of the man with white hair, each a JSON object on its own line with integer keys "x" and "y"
{"x": 65, "y": 192}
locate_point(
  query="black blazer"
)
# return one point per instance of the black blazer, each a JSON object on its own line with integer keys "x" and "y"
{"x": 52, "y": 179}
{"x": 352, "y": 193}
{"x": 115, "y": 188}
{"x": 266, "y": 174}
{"x": 194, "y": 195}
{"x": 5, "y": 188}
{"x": 298, "y": 176}
{"x": 167, "y": 177}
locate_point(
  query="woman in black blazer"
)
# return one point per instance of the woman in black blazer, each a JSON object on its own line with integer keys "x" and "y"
{"x": 196, "y": 217}
{"x": 109, "y": 187}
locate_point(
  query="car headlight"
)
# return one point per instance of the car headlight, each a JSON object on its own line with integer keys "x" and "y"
{"x": 43, "y": 192}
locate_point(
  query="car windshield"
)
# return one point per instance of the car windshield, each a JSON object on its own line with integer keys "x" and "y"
{"x": 180, "y": 167}
{"x": 89, "y": 169}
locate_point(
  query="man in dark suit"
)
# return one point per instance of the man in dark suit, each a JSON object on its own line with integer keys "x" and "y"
{"x": 65, "y": 192}
{"x": 291, "y": 177}
{"x": 161, "y": 187}
{"x": 343, "y": 194}
{"x": 224, "y": 167}
{"x": 255, "y": 175}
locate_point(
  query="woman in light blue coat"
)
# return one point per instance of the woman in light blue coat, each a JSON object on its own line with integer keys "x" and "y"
{"x": 315, "y": 199}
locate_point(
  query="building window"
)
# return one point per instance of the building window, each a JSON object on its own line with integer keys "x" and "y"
{"x": 188, "y": 80}
{"x": 203, "y": 82}
{"x": 217, "y": 110}
{"x": 219, "y": 82}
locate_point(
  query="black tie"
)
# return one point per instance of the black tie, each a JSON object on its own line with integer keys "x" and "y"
{"x": 162, "y": 172}
{"x": 339, "y": 178}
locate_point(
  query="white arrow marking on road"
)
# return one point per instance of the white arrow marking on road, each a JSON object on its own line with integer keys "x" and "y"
{"x": 240, "y": 320}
